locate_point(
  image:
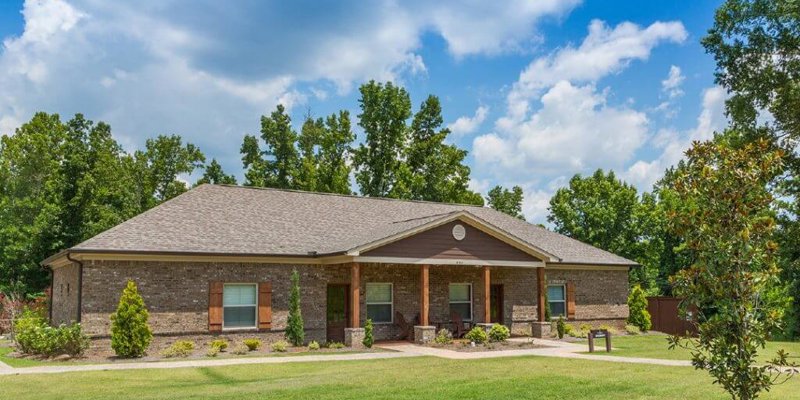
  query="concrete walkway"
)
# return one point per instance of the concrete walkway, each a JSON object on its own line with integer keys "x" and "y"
{"x": 397, "y": 350}
{"x": 51, "y": 369}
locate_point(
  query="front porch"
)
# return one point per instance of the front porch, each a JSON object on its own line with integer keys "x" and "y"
{"x": 427, "y": 296}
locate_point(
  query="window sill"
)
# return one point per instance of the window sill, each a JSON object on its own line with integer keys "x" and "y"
{"x": 240, "y": 329}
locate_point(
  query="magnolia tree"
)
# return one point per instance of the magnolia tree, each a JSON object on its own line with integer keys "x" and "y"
{"x": 724, "y": 213}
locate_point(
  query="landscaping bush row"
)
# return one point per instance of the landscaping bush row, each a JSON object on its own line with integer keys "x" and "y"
{"x": 34, "y": 336}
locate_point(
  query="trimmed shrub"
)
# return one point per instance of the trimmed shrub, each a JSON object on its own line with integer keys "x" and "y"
{"x": 34, "y": 336}
{"x": 443, "y": 337}
{"x": 313, "y": 346}
{"x": 335, "y": 345}
{"x": 280, "y": 346}
{"x": 637, "y": 308}
{"x": 632, "y": 329}
{"x": 294, "y": 324}
{"x": 561, "y": 327}
{"x": 130, "y": 333}
{"x": 499, "y": 333}
{"x": 221, "y": 344}
{"x": 609, "y": 328}
{"x": 476, "y": 335}
{"x": 212, "y": 352}
{"x": 181, "y": 348}
{"x": 240, "y": 349}
{"x": 368, "y": 338}
{"x": 252, "y": 344}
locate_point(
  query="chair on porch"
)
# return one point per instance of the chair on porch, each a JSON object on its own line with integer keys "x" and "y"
{"x": 406, "y": 329}
{"x": 458, "y": 325}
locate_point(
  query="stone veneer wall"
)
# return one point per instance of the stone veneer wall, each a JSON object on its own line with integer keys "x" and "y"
{"x": 176, "y": 293}
{"x": 65, "y": 294}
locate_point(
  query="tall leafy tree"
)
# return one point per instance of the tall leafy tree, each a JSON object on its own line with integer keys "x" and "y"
{"x": 308, "y": 143}
{"x": 756, "y": 44}
{"x": 162, "y": 161}
{"x": 335, "y": 149}
{"x": 724, "y": 212}
{"x": 215, "y": 175}
{"x": 384, "y": 111}
{"x": 506, "y": 201}
{"x": 608, "y": 213}
{"x": 276, "y": 166}
{"x": 435, "y": 170}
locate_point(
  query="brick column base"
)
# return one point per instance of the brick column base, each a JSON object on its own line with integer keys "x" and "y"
{"x": 541, "y": 329}
{"x": 424, "y": 334}
{"x": 354, "y": 337}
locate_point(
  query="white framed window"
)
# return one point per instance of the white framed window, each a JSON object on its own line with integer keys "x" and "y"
{"x": 380, "y": 303}
{"x": 239, "y": 305}
{"x": 557, "y": 300}
{"x": 461, "y": 300}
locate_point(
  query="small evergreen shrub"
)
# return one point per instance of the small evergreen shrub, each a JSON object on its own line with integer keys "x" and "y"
{"x": 637, "y": 309}
{"x": 280, "y": 346}
{"x": 477, "y": 335}
{"x": 498, "y": 333}
{"x": 335, "y": 345}
{"x": 368, "y": 338}
{"x": 443, "y": 337}
{"x": 181, "y": 348}
{"x": 568, "y": 329}
{"x": 561, "y": 327}
{"x": 221, "y": 344}
{"x": 632, "y": 329}
{"x": 130, "y": 333}
{"x": 294, "y": 324}
{"x": 212, "y": 352}
{"x": 313, "y": 346}
{"x": 240, "y": 349}
{"x": 252, "y": 344}
{"x": 27, "y": 331}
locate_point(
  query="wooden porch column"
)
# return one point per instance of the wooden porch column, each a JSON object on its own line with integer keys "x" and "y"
{"x": 487, "y": 290}
{"x": 355, "y": 295}
{"x": 424, "y": 301}
{"x": 540, "y": 283}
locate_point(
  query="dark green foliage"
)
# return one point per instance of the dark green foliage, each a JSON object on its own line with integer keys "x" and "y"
{"x": 506, "y": 201}
{"x": 724, "y": 214}
{"x": 164, "y": 159}
{"x": 369, "y": 339}
{"x": 561, "y": 328}
{"x": 637, "y": 309}
{"x": 34, "y": 336}
{"x": 215, "y": 175}
{"x": 130, "y": 332}
{"x": 295, "y": 333}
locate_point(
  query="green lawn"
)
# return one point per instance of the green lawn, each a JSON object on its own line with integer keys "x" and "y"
{"x": 417, "y": 378}
{"x": 656, "y": 346}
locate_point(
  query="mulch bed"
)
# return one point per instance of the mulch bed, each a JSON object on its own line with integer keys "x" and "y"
{"x": 100, "y": 350}
{"x": 464, "y": 345}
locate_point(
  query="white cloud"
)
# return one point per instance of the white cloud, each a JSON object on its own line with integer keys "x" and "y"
{"x": 207, "y": 70}
{"x": 465, "y": 125}
{"x": 604, "y": 51}
{"x": 672, "y": 85}
{"x": 673, "y": 144}
{"x": 574, "y": 129}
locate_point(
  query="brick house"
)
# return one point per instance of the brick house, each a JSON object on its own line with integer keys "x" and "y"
{"x": 219, "y": 258}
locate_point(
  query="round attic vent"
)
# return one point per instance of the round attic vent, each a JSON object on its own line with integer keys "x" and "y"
{"x": 459, "y": 232}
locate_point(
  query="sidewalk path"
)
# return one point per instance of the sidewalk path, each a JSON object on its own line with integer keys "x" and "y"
{"x": 49, "y": 369}
{"x": 398, "y": 350}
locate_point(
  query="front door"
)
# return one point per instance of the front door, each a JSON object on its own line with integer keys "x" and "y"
{"x": 337, "y": 314}
{"x": 496, "y": 304}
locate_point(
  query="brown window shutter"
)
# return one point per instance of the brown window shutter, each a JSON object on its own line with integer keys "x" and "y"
{"x": 264, "y": 305}
{"x": 570, "y": 300}
{"x": 215, "y": 307}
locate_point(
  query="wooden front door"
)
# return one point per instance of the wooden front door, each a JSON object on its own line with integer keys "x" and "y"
{"x": 496, "y": 304}
{"x": 338, "y": 306}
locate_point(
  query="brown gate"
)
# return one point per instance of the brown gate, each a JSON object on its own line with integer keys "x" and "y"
{"x": 664, "y": 315}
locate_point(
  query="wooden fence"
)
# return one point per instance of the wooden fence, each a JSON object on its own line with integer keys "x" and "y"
{"x": 664, "y": 315}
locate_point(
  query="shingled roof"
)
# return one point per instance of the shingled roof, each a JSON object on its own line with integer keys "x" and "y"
{"x": 222, "y": 219}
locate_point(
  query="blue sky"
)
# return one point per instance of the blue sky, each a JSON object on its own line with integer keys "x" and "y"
{"x": 537, "y": 91}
